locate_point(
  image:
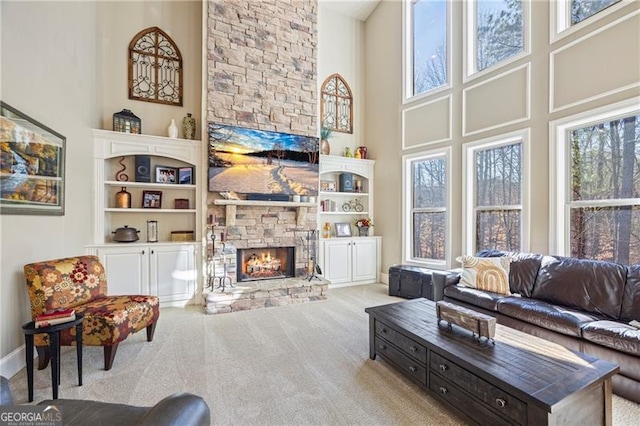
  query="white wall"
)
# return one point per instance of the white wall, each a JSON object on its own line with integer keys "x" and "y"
{"x": 64, "y": 64}
{"x": 341, "y": 50}
{"x": 500, "y": 101}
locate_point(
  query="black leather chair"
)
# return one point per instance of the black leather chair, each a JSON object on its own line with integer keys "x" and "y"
{"x": 177, "y": 409}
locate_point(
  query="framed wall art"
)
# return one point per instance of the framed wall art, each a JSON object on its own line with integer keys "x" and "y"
{"x": 31, "y": 165}
{"x": 166, "y": 174}
{"x": 343, "y": 229}
{"x": 151, "y": 199}
{"x": 185, "y": 175}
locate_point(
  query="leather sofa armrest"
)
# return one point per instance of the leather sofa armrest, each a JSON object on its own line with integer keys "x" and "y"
{"x": 441, "y": 279}
{"x": 178, "y": 409}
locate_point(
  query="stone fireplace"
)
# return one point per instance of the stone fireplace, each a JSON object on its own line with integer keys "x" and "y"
{"x": 265, "y": 263}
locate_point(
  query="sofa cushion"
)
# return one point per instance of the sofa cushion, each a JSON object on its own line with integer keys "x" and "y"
{"x": 631, "y": 297}
{"x": 489, "y": 274}
{"x": 474, "y": 297}
{"x": 590, "y": 286}
{"x": 556, "y": 318}
{"x": 523, "y": 269}
{"x": 616, "y": 335}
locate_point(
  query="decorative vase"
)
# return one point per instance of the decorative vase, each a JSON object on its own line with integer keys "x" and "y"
{"x": 363, "y": 231}
{"x": 347, "y": 152}
{"x": 173, "y": 129}
{"x": 123, "y": 199}
{"x": 325, "y": 148}
{"x": 189, "y": 127}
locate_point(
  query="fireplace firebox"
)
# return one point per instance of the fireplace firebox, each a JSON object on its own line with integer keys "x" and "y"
{"x": 265, "y": 263}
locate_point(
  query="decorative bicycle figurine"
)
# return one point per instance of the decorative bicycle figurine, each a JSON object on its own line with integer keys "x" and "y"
{"x": 352, "y": 205}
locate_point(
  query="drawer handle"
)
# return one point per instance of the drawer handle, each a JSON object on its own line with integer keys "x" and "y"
{"x": 501, "y": 402}
{"x": 443, "y": 368}
{"x": 413, "y": 348}
{"x": 412, "y": 369}
{"x": 443, "y": 390}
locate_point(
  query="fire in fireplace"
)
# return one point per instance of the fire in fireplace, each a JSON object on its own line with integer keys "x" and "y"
{"x": 265, "y": 263}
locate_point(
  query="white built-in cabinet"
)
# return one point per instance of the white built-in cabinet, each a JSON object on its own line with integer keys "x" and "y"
{"x": 355, "y": 259}
{"x": 168, "y": 269}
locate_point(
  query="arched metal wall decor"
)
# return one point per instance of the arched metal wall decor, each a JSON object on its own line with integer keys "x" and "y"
{"x": 155, "y": 68}
{"x": 336, "y": 106}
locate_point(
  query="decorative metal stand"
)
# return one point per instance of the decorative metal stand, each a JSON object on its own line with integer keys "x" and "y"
{"x": 312, "y": 254}
{"x": 223, "y": 280}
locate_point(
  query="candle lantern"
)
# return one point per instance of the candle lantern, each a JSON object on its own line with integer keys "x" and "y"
{"x": 127, "y": 122}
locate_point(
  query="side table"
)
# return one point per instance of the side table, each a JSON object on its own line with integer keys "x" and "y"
{"x": 29, "y": 329}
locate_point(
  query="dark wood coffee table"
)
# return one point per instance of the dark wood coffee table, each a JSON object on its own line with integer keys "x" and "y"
{"x": 523, "y": 379}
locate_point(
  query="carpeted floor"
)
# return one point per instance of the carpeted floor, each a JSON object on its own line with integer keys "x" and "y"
{"x": 302, "y": 364}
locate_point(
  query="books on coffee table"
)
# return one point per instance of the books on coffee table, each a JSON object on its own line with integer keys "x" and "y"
{"x": 57, "y": 316}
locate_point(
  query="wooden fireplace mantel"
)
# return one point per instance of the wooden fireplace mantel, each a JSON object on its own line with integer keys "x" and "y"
{"x": 302, "y": 207}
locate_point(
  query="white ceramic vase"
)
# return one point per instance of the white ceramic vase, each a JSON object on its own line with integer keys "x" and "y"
{"x": 173, "y": 129}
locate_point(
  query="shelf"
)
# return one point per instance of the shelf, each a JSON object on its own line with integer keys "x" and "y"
{"x": 301, "y": 208}
{"x": 344, "y": 194}
{"x": 148, "y": 185}
{"x": 148, "y": 211}
{"x": 343, "y": 212}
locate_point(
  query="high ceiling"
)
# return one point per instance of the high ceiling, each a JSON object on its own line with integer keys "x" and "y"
{"x": 358, "y": 9}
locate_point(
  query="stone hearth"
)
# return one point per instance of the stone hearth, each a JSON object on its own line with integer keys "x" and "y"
{"x": 265, "y": 294}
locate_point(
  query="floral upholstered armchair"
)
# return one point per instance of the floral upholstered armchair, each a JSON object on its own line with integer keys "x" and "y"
{"x": 81, "y": 283}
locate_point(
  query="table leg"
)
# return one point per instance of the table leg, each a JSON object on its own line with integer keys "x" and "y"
{"x": 28, "y": 340}
{"x": 79, "y": 351}
{"x": 54, "y": 347}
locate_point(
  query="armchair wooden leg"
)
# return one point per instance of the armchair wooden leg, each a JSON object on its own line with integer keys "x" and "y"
{"x": 150, "y": 331}
{"x": 109, "y": 355}
{"x": 44, "y": 355}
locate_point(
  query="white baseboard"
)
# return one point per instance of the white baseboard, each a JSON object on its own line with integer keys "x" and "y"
{"x": 13, "y": 362}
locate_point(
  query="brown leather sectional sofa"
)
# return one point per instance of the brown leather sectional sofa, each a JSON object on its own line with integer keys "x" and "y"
{"x": 584, "y": 305}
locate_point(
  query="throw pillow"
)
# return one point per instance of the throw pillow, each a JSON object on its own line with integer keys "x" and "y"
{"x": 486, "y": 273}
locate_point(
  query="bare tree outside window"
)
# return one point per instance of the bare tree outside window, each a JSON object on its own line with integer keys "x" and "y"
{"x": 429, "y": 40}
{"x": 605, "y": 191}
{"x": 498, "y": 197}
{"x": 429, "y": 208}
{"x": 583, "y": 9}
{"x": 499, "y": 31}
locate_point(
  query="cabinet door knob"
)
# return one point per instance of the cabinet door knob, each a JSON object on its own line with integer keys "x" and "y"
{"x": 142, "y": 251}
{"x": 443, "y": 367}
{"x": 443, "y": 390}
{"x": 501, "y": 402}
{"x": 152, "y": 252}
{"x": 412, "y": 369}
{"x": 384, "y": 330}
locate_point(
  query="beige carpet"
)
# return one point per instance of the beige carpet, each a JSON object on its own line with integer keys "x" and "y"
{"x": 302, "y": 364}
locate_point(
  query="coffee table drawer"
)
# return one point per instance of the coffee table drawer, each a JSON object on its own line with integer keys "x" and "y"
{"x": 463, "y": 402}
{"x": 491, "y": 395}
{"x": 405, "y": 344}
{"x": 405, "y": 364}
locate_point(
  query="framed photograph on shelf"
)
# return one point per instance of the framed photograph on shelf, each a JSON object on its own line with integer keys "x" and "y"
{"x": 327, "y": 186}
{"x": 343, "y": 229}
{"x": 31, "y": 164}
{"x": 185, "y": 175}
{"x": 166, "y": 174}
{"x": 151, "y": 199}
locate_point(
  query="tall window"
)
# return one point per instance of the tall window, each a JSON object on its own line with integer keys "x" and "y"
{"x": 499, "y": 31}
{"x": 426, "y": 45}
{"x": 495, "y": 194}
{"x": 426, "y": 184}
{"x": 583, "y": 9}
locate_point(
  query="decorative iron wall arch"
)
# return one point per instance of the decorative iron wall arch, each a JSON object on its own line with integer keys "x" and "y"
{"x": 336, "y": 106}
{"x": 155, "y": 68}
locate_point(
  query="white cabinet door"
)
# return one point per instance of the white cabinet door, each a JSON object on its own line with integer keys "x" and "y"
{"x": 364, "y": 259}
{"x": 127, "y": 269}
{"x": 172, "y": 272}
{"x": 337, "y": 260}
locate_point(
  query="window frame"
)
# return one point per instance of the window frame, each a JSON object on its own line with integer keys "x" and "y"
{"x": 469, "y": 48}
{"x": 469, "y": 207}
{"x": 560, "y": 18}
{"x": 560, "y": 203}
{"x": 407, "y": 203}
{"x": 407, "y": 55}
